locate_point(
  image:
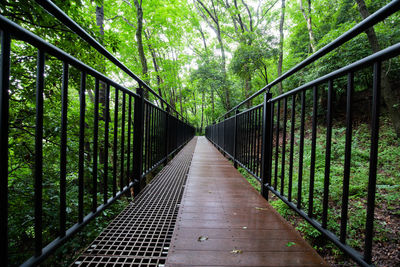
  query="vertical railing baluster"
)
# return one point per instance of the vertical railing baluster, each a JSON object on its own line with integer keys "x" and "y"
{"x": 115, "y": 148}
{"x": 166, "y": 140}
{"x": 271, "y": 143}
{"x": 152, "y": 139}
{"x": 95, "y": 144}
{"x": 347, "y": 158}
{"x": 313, "y": 145}
{"x": 238, "y": 137}
{"x": 373, "y": 161}
{"x": 149, "y": 131}
{"x": 4, "y": 126}
{"x": 106, "y": 143}
{"x": 278, "y": 112}
{"x": 160, "y": 148}
{"x": 39, "y": 152}
{"x": 283, "y": 145}
{"x": 301, "y": 148}
{"x": 159, "y": 130}
{"x": 138, "y": 142}
{"x": 254, "y": 169}
{"x": 327, "y": 156}
{"x": 292, "y": 127}
{"x": 122, "y": 171}
{"x": 259, "y": 141}
{"x": 63, "y": 148}
{"x": 81, "y": 175}
{"x": 128, "y": 158}
{"x": 266, "y": 156}
{"x": 146, "y": 136}
{"x": 251, "y": 148}
{"x": 247, "y": 139}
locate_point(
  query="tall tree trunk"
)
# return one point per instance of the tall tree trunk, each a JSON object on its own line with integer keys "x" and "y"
{"x": 281, "y": 38}
{"x": 195, "y": 104}
{"x": 207, "y": 60}
{"x": 180, "y": 100}
{"x": 156, "y": 67}
{"x": 100, "y": 24}
{"x": 139, "y": 30}
{"x": 309, "y": 25}
{"x": 391, "y": 101}
{"x": 223, "y": 58}
{"x": 212, "y": 13}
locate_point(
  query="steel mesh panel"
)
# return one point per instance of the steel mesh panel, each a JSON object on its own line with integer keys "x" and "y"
{"x": 141, "y": 234}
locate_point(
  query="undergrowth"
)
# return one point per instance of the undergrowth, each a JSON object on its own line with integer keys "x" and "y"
{"x": 387, "y": 212}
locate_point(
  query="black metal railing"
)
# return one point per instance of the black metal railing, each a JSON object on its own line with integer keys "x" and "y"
{"x": 269, "y": 139}
{"x": 133, "y": 135}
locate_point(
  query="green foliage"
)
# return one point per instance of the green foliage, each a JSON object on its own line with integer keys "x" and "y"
{"x": 191, "y": 74}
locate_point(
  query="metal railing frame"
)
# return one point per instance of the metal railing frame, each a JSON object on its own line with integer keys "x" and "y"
{"x": 151, "y": 127}
{"x": 217, "y": 133}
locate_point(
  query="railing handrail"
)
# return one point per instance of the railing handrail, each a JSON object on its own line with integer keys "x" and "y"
{"x": 55, "y": 11}
{"x": 361, "y": 27}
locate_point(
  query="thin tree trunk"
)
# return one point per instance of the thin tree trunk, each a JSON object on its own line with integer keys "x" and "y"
{"x": 217, "y": 29}
{"x": 223, "y": 57}
{"x": 207, "y": 60}
{"x": 309, "y": 25}
{"x": 391, "y": 101}
{"x": 100, "y": 24}
{"x": 156, "y": 67}
{"x": 281, "y": 38}
{"x": 180, "y": 100}
{"x": 195, "y": 106}
{"x": 139, "y": 30}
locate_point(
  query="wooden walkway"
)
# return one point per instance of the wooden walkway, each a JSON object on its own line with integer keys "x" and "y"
{"x": 223, "y": 221}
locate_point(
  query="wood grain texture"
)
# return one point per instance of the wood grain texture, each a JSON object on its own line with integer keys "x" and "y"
{"x": 223, "y": 210}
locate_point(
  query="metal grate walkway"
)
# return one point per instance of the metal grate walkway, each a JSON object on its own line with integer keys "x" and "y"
{"x": 141, "y": 234}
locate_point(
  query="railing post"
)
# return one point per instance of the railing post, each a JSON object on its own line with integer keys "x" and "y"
{"x": 235, "y": 139}
{"x": 4, "y": 126}
{"x": 166, "y": 141}
{"x": 138, "y": 142}
{"x": 266, "y": 149}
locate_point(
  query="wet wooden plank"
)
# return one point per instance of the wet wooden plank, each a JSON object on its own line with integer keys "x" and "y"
{"x": 229, "y": 215}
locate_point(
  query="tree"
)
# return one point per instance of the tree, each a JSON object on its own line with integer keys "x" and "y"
{"x": 212, "y": 12}
{"x": 391, "y": 101}
{"x": 281, "y": 39}
{"x": 307, "y": 18}
{"x": 139, "y": 31}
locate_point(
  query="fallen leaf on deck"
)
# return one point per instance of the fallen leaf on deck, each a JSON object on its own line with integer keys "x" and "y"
{"x": 258, "y": 208}
{"x": 289, "y": 244}
{"x": 236, "y": 251}
{"x": 202, "y": 238}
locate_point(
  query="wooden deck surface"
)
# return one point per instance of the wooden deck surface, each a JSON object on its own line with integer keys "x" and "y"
{"x": 224, "y": 221}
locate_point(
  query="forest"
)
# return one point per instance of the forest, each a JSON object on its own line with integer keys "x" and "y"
{"x": 204, "y": 57}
